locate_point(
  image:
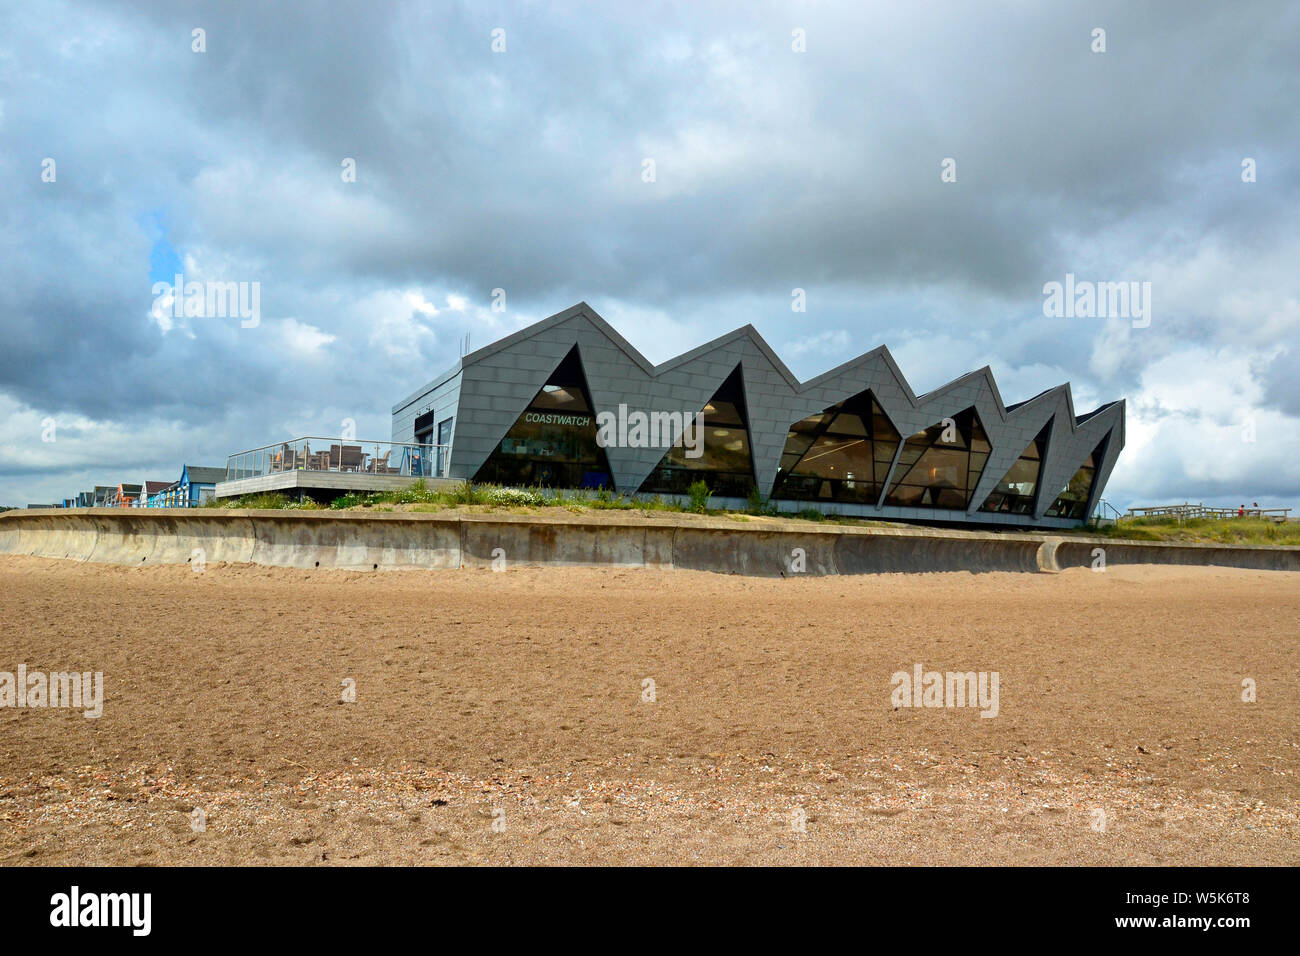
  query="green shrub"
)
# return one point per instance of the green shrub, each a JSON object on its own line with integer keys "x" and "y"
{"x": 468, "y": 493}
{"x": 417, "y": 492}
{"x": 698, "y": 493}
{"x": 609, "y": 502}
{"x": 513, "y": 496}
{"x": 657, "y": 503}
{"x": 756, "y": 504}
{"x": 264, "y": 500}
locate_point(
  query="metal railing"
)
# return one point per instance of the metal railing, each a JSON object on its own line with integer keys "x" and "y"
{"x": 346, "y": 455}
{"x": 1106, "y": 513}
{"x": 1186, "y": 510}
{"x": 173, "y": 501}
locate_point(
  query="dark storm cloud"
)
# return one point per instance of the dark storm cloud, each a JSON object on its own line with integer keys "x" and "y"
{"x": 522, "y": 170}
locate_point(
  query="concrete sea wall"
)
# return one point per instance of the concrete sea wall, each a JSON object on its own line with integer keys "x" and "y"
{"x": 405, "y": 541}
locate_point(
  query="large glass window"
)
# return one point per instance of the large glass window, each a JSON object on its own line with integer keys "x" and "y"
{"x": 940, "y": 466}
{"x": 444, "y": 446}
{"x": 841, "y": 454}
{"x": 1072, "y": 502}
{"x": 726, "y": 464}
{"x": 1015, "y": 492}
{"x": 553, "y": 443}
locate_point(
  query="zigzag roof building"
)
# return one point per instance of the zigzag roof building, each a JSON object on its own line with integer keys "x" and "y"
{"x": 550, "y": 405}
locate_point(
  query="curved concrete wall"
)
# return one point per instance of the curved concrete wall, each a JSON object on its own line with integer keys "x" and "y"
{"x": 1079, "y": 553}
{"x": 365, "y": 542}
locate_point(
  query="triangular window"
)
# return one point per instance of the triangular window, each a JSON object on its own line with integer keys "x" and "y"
{"x": 842, "y": 454}
{"x": 1016, "y": 491}
{"x": 553, "y": 443}
{"x": 724, "y": 460}
{"x": 1072, "y": 502}
{"x": 940, "y": 466}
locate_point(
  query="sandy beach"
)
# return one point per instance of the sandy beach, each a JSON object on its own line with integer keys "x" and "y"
{"x": 598, "y": 716}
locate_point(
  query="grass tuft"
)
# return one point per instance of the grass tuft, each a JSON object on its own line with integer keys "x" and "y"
{"x": 1202, "y": 530}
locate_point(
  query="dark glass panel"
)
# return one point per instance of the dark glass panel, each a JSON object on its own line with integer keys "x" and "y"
{"x": 800, "y": 438}
{"x": 882, "y": 429}
{"x": 847, "y": 424}
{"x": 911, "y": 452}
{"x": 940, "y": 467}
{"x": 723, "y": 413}
{"x": 980, "y": 449}
{"x": 569, "y": 398}
{"x": 979, "y": 441}
{"x": 905, "y": 496}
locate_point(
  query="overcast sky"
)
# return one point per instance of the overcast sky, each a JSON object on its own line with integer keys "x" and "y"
{"x": 775, "y": 168}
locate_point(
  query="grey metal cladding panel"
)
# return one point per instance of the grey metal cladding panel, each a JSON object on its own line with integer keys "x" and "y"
{"x": 470, "y": 403}
{"x": 442, "y": 402}
{"x": 504, "y": 387}
{"x": 450, "y": 381}
{"x": 532, "y": 362}
{"x": 439, "y": 399}
{"x": 485, "y": 380}
{"x": 1113, "y": 446}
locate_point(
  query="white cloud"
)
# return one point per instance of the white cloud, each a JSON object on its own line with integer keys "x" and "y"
{"x": 832, "y": 342}
{"x": 305, "y": 340}
{"x": 1189, "y": 430}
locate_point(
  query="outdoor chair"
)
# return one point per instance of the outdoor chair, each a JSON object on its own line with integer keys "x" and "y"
{"x": 350, "y": 457}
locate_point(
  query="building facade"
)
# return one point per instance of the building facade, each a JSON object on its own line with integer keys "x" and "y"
{"x": 194, "y": 487}
{"x": 150, "y": 494}
{"x": 123, "y": 496}
{"x": 569, "y": 403}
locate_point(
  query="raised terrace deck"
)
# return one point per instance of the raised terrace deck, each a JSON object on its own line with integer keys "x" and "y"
{"x": 325, "y": 468}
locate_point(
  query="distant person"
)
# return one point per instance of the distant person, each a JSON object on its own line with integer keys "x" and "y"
{"x": 1241, "y": 512}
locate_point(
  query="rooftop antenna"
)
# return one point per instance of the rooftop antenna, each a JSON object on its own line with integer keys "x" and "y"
{"x": 464, "y": 345}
